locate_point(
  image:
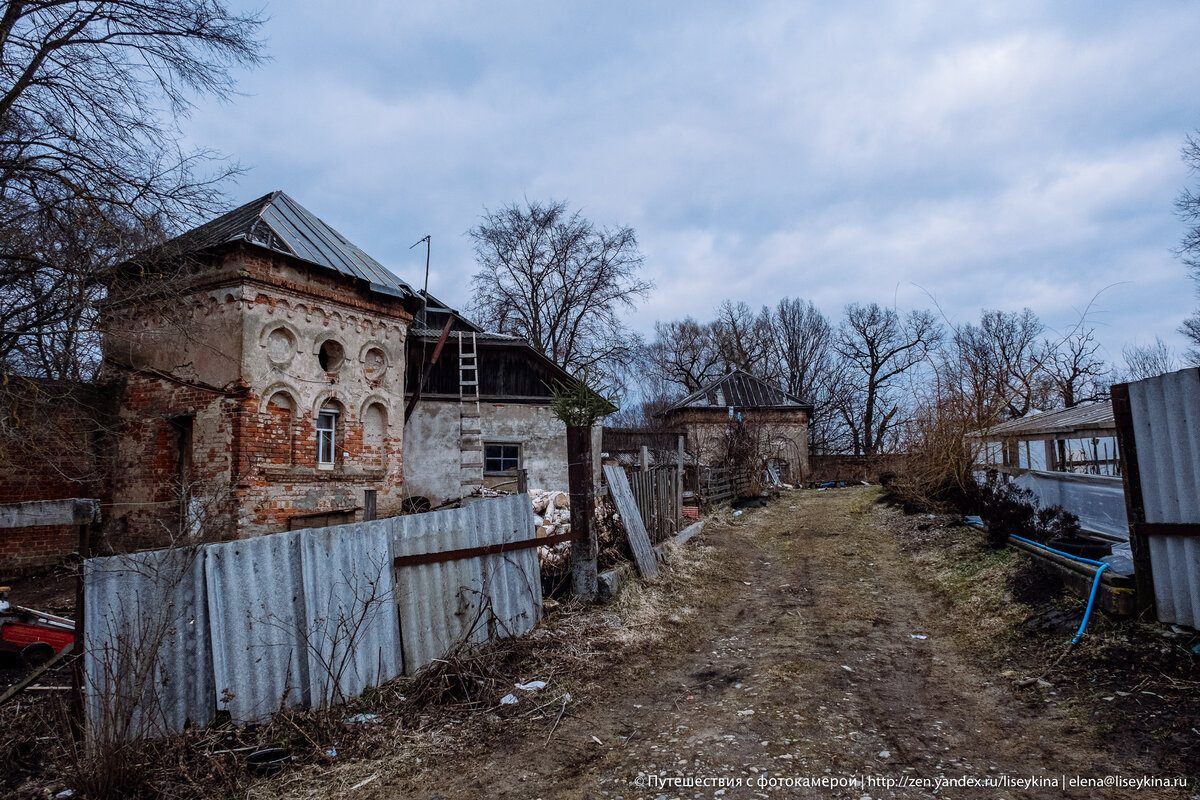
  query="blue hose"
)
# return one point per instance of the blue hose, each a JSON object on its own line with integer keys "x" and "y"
{"x": 1087, "y": 614}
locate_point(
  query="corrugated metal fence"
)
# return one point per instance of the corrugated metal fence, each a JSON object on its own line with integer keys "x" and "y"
{"x": 303, "y": 618}
{"x": 1162, "y": 415}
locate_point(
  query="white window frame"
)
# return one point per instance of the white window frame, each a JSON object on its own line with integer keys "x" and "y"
{"x": 327, "y": 438}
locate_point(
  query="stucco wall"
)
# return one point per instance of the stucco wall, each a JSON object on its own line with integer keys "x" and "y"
{"x": 432, "y": 455}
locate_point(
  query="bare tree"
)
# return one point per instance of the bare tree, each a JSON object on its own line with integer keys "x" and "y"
{"x": 1147, "y": 361}
{"x": 683, "y": 354}
{"x": 1001, "y": 360}
{"x": 1187, "y": 206}
{"x": 880, "y": 346}
{"x": 803, "y": 348}
{"x": 744, "y": 339}
{"x": 556, "y": 280}
{"x": 1073, "y": 370}
{"x": 91, "y": 168}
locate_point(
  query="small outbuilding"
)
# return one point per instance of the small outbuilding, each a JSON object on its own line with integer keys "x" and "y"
{"x": 773, "y": 422}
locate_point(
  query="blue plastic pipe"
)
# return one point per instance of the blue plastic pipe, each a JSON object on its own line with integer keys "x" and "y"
{"x": 1087, "y": 614}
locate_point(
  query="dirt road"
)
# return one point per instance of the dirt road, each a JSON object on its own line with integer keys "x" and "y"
{"x": 804, "y": 653}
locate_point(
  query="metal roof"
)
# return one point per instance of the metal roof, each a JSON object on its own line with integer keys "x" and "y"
{"x": 1092, "y": 418}
{"x": 740, "y": 390}
{"x": 278, "y": 223}
{"x": 436, "y": 333}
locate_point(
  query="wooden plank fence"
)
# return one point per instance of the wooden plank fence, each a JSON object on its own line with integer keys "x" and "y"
{"x": 639, "y": 542}
{"x": 719, "y": 485}
{"x": 657, "y": 500}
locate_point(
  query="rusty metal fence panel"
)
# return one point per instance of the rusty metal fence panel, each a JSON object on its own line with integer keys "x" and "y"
{"x": 444, "y": 604}
{"x": 350, "y": 606}
{"x": 1165, "y": 413}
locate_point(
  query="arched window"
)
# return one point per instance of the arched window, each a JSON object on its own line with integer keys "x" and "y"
{"x": 279, "y": 447}
{"x": 374, "y": 435}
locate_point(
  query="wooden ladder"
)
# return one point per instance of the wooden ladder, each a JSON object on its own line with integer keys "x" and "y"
{"x": 470, "y": 430}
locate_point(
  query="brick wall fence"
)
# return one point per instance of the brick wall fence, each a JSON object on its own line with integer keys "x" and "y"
{"x": 853, "y": 468}
{"x": 54, "y": 438}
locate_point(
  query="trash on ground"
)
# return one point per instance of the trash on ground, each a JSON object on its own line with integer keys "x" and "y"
{"x": 361, "y": 718}
{"x": 509, "y": 700}
{"x": 532, "y": 686}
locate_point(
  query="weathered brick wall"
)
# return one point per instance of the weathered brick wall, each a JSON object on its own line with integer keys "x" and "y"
{"x": 52, "y": 448}
{"x": 29, "y": 549}
{"x": 222, "y": 385}
{"x": 280, "y": 479}
{"x": 154, "y": 502}
{"x": 783, "y": 434}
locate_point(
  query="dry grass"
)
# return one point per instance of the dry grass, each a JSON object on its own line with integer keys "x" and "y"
{"x": 449, "y": 708}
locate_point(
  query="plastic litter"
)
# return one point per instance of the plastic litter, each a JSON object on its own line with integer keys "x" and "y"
{"x": 917, "y": 636}
{"x": 360, "y": 718}
{"x": 532, "y": 686}
{"x": 847, "y": 668}
{"x": 509, "y": 700}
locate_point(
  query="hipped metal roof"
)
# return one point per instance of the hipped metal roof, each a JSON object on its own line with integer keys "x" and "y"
{"x": 278, "y": 223}
{"x": 740, "y": 389}
{"x": 1090, "y": 420}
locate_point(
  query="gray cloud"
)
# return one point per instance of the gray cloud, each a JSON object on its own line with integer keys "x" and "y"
{"x": 990, "y": 155}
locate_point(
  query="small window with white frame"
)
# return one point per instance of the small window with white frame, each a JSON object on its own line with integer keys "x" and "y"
{"x": 327, "y": 438}
{"x": 500, "y": 457}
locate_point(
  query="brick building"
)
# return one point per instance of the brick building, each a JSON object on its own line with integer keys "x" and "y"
{"x": 266, "y": 394}
{"x": 778, "y": 421}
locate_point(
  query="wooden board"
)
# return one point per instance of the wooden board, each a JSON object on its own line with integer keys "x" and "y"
{"x": 639, "y": 541}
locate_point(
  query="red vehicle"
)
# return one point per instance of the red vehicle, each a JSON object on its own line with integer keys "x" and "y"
{"x": 33, "y": 636}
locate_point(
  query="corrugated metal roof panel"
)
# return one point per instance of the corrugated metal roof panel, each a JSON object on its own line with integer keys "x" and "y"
{"x": 277, "y": 222}
{"x": 354, "y": 632}
{"x": 435, "y": 334}
{"x": 740, "y": 390}
{"x": 256, "y": 595}
{"x": 146, "y": 623}
{"x": 1166, "y": 424}
{"x": 1092, "y": 417}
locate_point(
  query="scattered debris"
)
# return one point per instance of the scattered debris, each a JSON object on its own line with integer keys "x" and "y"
{"x": 363, "y": 783}
{"x": 357, "y": 718}
{"x": 509, "y": 700}
{"x": 532, "y": 686}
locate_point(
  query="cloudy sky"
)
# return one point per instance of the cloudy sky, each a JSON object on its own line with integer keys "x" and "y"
{"x": 968, "y": 155}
